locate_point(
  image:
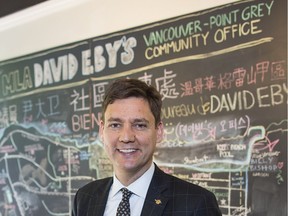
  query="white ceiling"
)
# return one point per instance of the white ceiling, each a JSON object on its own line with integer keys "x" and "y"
{"x": 59, "y": 22}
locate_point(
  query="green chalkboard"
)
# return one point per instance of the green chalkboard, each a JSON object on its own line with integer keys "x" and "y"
{"x": 222, "y": 74}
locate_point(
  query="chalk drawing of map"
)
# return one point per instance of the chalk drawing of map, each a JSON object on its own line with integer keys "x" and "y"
{"x": 212, "y": 156}
{"x": 39, "y": 175}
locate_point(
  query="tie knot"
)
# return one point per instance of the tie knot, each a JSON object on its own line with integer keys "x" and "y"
{"x": 126, "y": 193}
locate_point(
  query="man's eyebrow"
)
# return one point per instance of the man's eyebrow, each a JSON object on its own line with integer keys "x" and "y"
{"x": 113, "y": 119}
{"x": 141, "y": 120}
{"x": 136, "y": 120}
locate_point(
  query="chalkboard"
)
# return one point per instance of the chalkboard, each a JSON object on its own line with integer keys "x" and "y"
{"x": 222, "y": 74}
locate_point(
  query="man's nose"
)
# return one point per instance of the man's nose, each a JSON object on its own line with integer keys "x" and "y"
{"x": 127, "y": 135}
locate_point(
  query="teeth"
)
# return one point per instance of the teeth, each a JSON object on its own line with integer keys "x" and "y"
{"x": 127, "y": 150}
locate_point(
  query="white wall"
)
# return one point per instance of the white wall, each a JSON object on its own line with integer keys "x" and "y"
{"x": 59, "y": 22}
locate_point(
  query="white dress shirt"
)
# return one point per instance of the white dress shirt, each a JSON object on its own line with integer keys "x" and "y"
{"x": 139, "y": 189}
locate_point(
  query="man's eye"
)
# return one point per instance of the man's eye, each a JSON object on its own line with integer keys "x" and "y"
{"x": 141, "y": 125}
{"x": 114, "y": 125}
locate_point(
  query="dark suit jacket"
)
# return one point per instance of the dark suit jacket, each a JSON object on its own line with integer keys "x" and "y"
{"x": 167, "y": 195}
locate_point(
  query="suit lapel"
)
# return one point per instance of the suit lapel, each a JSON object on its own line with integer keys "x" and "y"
{"x": 155, "y": 200}
{"x": 97, "y": 203}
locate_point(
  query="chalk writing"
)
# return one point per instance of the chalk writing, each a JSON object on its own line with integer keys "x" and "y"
{"x": 166, "y": 85}
{"x": 112, "y": 50}
{"x": 239, "y": 77}
{"x": 52, "y": 71}
{"x": 8, "y": 115}
{"x": 40, "y": 108}
{"x": 14, "y": 81}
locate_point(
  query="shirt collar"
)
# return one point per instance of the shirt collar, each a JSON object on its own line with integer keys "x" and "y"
{"x": 138, "y": 187}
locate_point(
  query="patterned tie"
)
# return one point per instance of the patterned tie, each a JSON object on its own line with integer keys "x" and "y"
{"x": 124, "y": 206}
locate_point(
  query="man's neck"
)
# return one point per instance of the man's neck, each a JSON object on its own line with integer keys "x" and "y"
{"x": 127, "y": 178}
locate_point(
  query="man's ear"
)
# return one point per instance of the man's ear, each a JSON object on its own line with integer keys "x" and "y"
{"x": 160, "y": 132}
{"x": 101, "y": 130}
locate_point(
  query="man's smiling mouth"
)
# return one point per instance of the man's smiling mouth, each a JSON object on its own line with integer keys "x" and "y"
{"x": 127, "y": 150}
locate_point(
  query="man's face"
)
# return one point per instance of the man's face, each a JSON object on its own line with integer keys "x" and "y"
{"x": 129, "y": 135}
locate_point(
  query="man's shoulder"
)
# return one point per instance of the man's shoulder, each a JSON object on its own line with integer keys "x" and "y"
{"x": 187, "y": 185}
{"x": 95, "y": 185}
{"x": 183, "y": 194}
{"x": 181, "y": 185}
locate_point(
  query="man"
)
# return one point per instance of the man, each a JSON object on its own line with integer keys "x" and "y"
{"x": 130, "y": 128}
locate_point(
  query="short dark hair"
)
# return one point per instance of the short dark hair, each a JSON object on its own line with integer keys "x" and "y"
{"x": 125, "y": 88}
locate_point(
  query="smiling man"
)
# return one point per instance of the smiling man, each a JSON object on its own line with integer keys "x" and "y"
{"x": 130, "y": 129}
